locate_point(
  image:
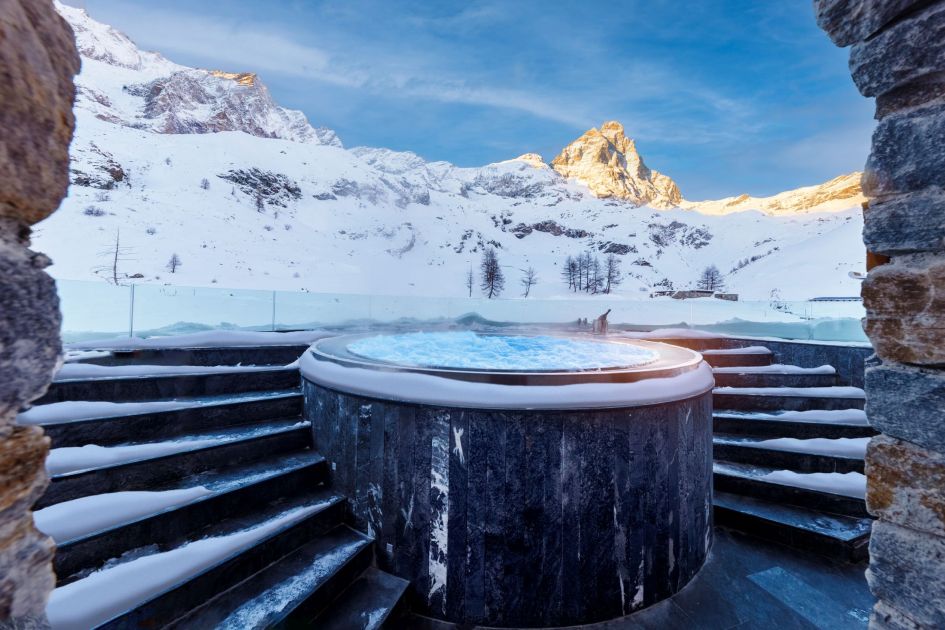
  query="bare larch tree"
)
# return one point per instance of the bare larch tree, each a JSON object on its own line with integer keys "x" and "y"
{"x": 174, "y": 263}
{"x": 711, "y": 279}
{"x": 611, "y": 273}
{"x": 115, "y": 255}
{"x": 470, "y": 281}
{"x": 493, "y": 280}
{"x": 529, "y": 280}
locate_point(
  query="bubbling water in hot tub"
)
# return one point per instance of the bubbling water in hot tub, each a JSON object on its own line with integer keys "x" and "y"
{"x": 473, "y": 351}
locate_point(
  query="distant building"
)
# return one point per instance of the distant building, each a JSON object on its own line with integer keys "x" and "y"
{"x": 731, "y": 297}
{"x": 692, "y": 293}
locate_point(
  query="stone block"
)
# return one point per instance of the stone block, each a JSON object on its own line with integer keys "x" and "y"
{"x": 906, "y": 224}
{"x": 885, "y": 617}
{"x": 906, "y": 484}
{"x": 904, "y": 53}
{"x": 38, "y": 60}
{"x": 930, "y": 90}
{"x": 907, "y": 403}
{"x": 905, "y": 309}
{"x": 906, "y": 572}
{"x": 26, "y": 576}
{"x": 906, "y": 155}
{"x": 850, "y": 21}
{"x": 29, "y": 325}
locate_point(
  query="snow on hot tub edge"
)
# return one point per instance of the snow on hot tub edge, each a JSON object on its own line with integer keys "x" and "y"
{"x": 428, "y": 389}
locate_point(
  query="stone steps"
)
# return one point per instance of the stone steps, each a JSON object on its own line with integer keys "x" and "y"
{"x": 788, "y": 398}
{"x": 795, "y": 456}
{"x": 200, "y": 415}
{"x": 240, "y": 548}
{"x": 234, "y": 490}
{"x": 771, "y": 379}
{"x": 370, "y": 602}
{"x": 293, "y": 590}
{"x": 208, "y": 356}
{"x": 244, "y": 444}
{"x": 804, "y": 490}
{"x": 122, "y": 386}
{"x": 233, "y": 446}
{"x": 835, "y": 535}
{"x": 788, "y": 424}
{"x": 738, "y": 357}
{"x": 802, "y": 494}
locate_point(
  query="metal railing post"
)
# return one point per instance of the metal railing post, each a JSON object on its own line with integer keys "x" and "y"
{"x": 131, "y": 313}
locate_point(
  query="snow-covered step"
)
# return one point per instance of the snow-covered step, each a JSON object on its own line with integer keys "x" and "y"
{"x": 92, "y": 529}
{"x": 92, "y": 469}
{"x": 837, "y": 423}
{"x": 788, "y": 398}
{"x": 77, "y": 422}
{"x": 775, "y": 375}
{"x": 292, "y": 591}
{"x": 157, "y": 584}
{"x": 737, "y": 357}
{"x": 250, "y": 354}
{"x": 800, "y": 455}
{"x": 837, "y": 493}
{"x": 374, "y": 599}
{"x": 835, "y": 535}
{"x": 151, "y": 382}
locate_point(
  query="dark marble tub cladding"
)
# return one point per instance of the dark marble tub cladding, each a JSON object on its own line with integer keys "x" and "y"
{"x": 525, "y": 518}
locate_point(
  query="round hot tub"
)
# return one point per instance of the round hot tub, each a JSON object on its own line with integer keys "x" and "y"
{"x": 520, "y": 480}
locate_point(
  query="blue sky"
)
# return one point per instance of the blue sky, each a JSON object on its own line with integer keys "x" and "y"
{"x": 725, "y": 96}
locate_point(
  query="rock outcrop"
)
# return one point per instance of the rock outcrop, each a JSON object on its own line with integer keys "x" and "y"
{"x": 606, "y": 161}
{"x": 38, "y": 59}
{"x": 898, "y": 57}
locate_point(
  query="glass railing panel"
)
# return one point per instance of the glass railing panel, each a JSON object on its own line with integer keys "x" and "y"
{"x": 303, "y": 311}
{"x": 97, "y": 310}
{"x": 166, "y": 310}
{"x": 93, "y": 310}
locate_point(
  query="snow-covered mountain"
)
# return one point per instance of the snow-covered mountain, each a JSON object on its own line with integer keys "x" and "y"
{"x": 204, "y": 164}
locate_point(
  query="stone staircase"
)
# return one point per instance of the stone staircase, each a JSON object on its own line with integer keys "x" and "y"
{"x": 190, "y": 496}
{"x": 788, "y": 450}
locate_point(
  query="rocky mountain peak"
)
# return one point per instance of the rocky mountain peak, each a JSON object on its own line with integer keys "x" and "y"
{"x": 175, "y": 99}
{"x": 246, "y": 79}
{"x": 607, "y": 162}
{"x": 532, "y": 159}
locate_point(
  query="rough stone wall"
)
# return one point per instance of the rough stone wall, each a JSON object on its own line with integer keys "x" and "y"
{"x": 37, "y": 62}
{"x": 898, "y": 57}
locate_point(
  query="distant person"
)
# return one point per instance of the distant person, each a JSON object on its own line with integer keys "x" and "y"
{"x": 600, "y": 324}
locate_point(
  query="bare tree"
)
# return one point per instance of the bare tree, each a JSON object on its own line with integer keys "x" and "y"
{"x": 205, "y": 183}
{"x": 711, "y": 279}
{"x": 585, "y": 264}
{"x": 470, "y": 281}
{"x": 611, "y": 273}
{"x": 115, "y": 255}
{"x": 529, "y": 280}
{"x": 569, "y": 273}
{"x": 493, "y": 280}
{"x": 595, "y": 282}
{"x": 174, "y": 263}
{"x": 260, "y": 203}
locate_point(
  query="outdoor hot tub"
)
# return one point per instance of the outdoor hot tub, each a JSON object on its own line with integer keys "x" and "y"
{"x": 520, "y": 480}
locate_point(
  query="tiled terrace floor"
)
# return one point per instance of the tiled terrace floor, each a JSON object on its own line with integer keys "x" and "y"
{"x": 747, "y": 583}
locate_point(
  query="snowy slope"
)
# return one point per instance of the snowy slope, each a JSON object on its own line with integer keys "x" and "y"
{"x": 286, "y": 207}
